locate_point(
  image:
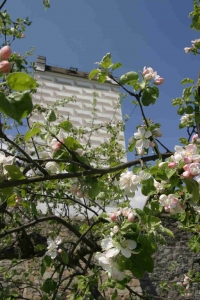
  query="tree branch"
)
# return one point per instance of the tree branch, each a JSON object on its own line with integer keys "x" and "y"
{"x": 57, "y": 219}
{"x": 14, "y": 183}
{"x": 3, "y": 3}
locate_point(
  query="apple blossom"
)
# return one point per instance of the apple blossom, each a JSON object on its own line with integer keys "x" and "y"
{"x": 113, "y": 217}
{"x": 52, "y": 247}
{"x": 187, "y": 49}
{"x": 156, "y": 133}
{"x": 170, "y": 203}
{"x": 55, "y": 144}
{"x": 129, "y": 182}
{"x": 131, "y": 217}
{"x": 142, "y": 138}
{"x": 52, "y": 167}
{"x": 186, "y": 118}
{"x": 113, "y": 248}
{"x": 159, "y": 81}
{"x": 109, "y": 265}
{"x": 159, "y": 185}
{"x": 172, "y": 165}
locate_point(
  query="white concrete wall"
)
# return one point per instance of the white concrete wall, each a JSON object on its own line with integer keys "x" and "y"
{"x": 54, "y": 86}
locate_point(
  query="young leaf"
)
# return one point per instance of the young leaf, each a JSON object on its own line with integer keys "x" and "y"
{"x": 19, "y": 81}
{"x": 31, "y": 132}
{"x": 187, "y": 80}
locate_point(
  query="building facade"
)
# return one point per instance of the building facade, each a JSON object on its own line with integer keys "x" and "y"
{"x": 57, "y": 83}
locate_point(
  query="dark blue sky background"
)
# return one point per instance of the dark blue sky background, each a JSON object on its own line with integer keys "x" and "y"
{"x": 138, "y": 33}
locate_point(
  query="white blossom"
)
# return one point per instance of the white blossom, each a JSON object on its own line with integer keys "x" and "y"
{"x": 142, "y": 138}
{"x": 52, "y": 167}
{"x": 110, "y": 266}
{"x": 52, "y": 247}
{"x": 113, "y": 248}
{"x": 171, "y": 203}
{"x": 129, "y": 182}
{"x": 6, "y": 161}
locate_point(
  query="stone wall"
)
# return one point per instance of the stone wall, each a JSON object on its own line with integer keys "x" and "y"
{"x": 171, "y": 263}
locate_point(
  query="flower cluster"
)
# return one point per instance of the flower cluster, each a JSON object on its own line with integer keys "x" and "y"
{"x": 129, "y": 182}
{"x": 190, "y": 157}
{"x": 126, "y": 212}
{"x": 112, "y": 249}
{"x": 195, "y": 46}
{"x": 149, "y": 74}
{"x": 143, "y": 139}
{"x": 171, "y": 203}
{"x": 52, "y": 247}
{"x": 187, "y": 119}
{"x": 5, "y": 66}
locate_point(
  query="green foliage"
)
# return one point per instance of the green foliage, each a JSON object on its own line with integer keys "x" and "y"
{"x": 14, "y": 172}
{"x": 129, "y": 78}
{"x": 64, "y": 257}
{"x": 16, "y": 106}
{"x": 193, "y": 188}
{"x": 148, "y": 187}
{"x": 21, "y": 82}
{"x": 48, "y": 286}
{"x": 194, "y": 243}
{"x": 150, "y": 95}
{"x": 31, "y": 132}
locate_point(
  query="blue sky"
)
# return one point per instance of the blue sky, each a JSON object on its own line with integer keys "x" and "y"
{"x": 138, "y": 33}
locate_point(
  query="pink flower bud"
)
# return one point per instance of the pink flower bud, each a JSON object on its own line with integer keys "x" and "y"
{"x": 113, "y": 217}
{"x": 59, "y": 250}
{"x": 5, "y": 53}
{"x": 23, "y": 35}
{"x": 195, "y": 136}
{"x": 186, "y": 167}
{"x": 187, "y": 160}
{"x": 131, "y": 217}
{"x": 186, "y": 174}
{"x": 172, "y": 165}
{"x": 5, "y": 67}
{"x": 159, "y": 81}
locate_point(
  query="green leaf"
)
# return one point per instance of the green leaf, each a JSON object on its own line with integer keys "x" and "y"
{"x": 141, "y": 214}
{"x": 64, "y": 256}
{"x": 14, "y": 172}
{"x": 72, "y": 143}
{"x": 11, "y": 201}
{"x": 114, "y": 295}
{"x": 49, "y": 285}
{"x": 33, "y": 208}
{"x": 129, "y": 78}
{"x": 47, "y": 261}
{"x": 183, "y": 141}
{"x": 139, "y": 264}
{"x": 7, "y": 191}
{"x": 150, "y": 95}
{"x": 187, "y": 80}
{"x": 194, "y": 243}
{"x": 42, "y": 269}
{"x": 93, "y": 73}
{"x": 148, "y": 187}
{"x": 189, "y": 109}
{"x": 19, "y": 81}
{"x": 181, "y": 110}
{"x": 147, "y": 245}
{"x": 106, "y": 61}
{"x": 50, "y": 116}
{"x": 40, "y": 247}
{"x": 168, "y": 231}
{"x": 31, "y": 132}
{"x": 187, "y": 92}
{"x": 116, "y": 66}
{"x": 177, "y": 101}
{"x": 16, "y": 106}
{"x": 193, "y": 188}
{"x": 66, "y": 125}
